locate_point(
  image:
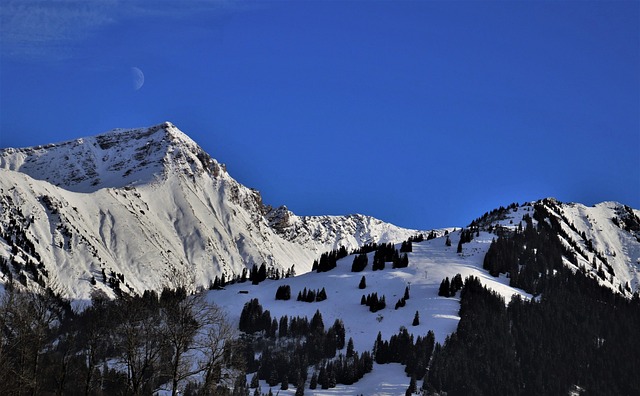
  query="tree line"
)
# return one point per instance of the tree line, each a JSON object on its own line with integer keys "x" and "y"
{"x": 134, "y": 345}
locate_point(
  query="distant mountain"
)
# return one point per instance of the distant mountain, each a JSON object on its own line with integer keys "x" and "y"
{"x": 136, "y": 209}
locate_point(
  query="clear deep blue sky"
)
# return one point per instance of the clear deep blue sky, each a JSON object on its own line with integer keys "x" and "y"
{"x": 424, "y": 114}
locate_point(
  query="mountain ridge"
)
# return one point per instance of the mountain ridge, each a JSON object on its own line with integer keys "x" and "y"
{"x": 150, "y": 206}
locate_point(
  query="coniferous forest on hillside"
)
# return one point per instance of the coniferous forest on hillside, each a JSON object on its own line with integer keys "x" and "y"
{"x": 573, "y": 336}
{"x": 577, "y": 335}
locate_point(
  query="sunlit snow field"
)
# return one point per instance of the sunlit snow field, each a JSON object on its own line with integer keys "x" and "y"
{"x": 429, "y": 263}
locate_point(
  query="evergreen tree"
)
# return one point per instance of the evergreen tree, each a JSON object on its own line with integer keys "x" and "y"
{"x": 300, "y": 389}
{"x": 413, "y": 388}
{"x": 359, "y": 262}
{"x": 262, "y": 273}
{"x": 313, "y": 383}
{"x": 340, "y": 333}
{"x": 456, "y": 284}
{"x": 322, "y": 295}
{"x": 444, "y": 288}
{"x": 322, "y": 378}
{"x": 363, "y": 283}
{"x": 316, "y": 325}
{"x": 255, "y": 382}
{"x": 283, "y": 326}
{"x": 404, "y": 260}
{"x": 283, "y": 292}
{"x": 350, "y": 350}
{"x": 416, "y": 319}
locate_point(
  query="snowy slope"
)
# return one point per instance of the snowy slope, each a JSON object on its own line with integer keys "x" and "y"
{"x": 602, "y": 240}
{"x": 429, "y": 263}
{"x": 605, "y": 238}
{"x": 151, "y": 209}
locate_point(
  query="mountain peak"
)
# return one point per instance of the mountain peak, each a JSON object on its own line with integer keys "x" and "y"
{"x": 118, "y": 158}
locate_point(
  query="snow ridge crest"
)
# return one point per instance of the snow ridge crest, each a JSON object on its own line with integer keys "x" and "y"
{"x": 115, "y": 159}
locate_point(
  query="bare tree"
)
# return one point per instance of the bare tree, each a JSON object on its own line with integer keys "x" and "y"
{"x": 220, "y": 354}
{"x": 181, "y": 323}
{"x": 27, "y": 323}
{"x": 93, "y": 333}
{"x": 201, "y": 339}
{"x": 139, "y": 338}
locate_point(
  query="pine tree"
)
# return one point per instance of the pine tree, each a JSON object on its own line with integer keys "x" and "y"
{"x": 416, "y": 319}
{"x": 359, "y": 262}
{"x": 456, "y": 284}
{"x": 283, "y": 292}
{"x": 340, "y": 332}
{"x": 316, "y": 325}
{"x": 322, "y": 378}
{"x": 404, "y": 261}
{"x": 322, "y": 295}
{"x": 363, "y": 283}
{"x": 283, "y": 326}
{"x": 406, "y": 293}
{"x": 300, "y": 389}
{"x": 255, "y": 382}
{"x": 444, "y": 288}
{"x": 313, "y": 383}
{"x": 413, "y": 387}
{"x": 350, "y": 350}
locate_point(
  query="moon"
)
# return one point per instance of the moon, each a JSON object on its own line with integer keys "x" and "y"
{"x": 137, "y": 78}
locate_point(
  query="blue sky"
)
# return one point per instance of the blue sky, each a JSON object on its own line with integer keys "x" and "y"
{"x": 424, "y": 114}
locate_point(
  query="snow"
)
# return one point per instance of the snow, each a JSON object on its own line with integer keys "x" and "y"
{"x": 385, "y": 380}
{"x": 429, "y": 263}
{"x": 149, "y": 204}
{"x": 620, "y": 248}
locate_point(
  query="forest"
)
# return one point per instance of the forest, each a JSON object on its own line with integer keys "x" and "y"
{"x": 577, "y": 335}
{"x": 574, "y": 336}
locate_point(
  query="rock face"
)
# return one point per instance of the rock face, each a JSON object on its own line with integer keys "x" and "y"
{"x": 145, "y": 208}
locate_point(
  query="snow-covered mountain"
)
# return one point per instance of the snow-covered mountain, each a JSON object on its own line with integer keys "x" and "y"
{"x": 145, "y": 208}
{"x": 607, "y": 234}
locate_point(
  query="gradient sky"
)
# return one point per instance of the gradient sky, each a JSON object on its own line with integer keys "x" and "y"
{"x": 423, "y": 114}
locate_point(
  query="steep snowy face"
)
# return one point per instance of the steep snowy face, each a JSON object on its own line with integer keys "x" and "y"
{"x": 146, "y": 208}
{"x": 606, "y": 240}
{"x": 122, "y": 157}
